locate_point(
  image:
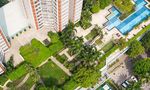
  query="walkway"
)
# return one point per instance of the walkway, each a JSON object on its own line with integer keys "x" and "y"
{"x": 65, "y": 52}
{"x": 61, "y": 66}
{"x": 23, "y": 81}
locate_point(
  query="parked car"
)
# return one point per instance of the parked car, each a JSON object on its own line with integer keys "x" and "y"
{"x": 134, "y": 78}
{"x": 127, "y": 82}
{"x": 124, "y": 85}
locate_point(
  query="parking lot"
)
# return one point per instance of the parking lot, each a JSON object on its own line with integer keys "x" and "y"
{"x": 121, "y": 70}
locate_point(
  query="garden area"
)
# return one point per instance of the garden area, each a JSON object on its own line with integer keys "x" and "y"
{"x": 52, "y": 75}
{"x": 108, "y": 46}
{"x": 90, "y": 7}
{"x": 125, "y": 6}
{"x": 39, "y": 52}
{"x": 94, "y": 33}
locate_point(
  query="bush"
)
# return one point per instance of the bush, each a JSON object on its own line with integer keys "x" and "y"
{"x": 95, "y": 8}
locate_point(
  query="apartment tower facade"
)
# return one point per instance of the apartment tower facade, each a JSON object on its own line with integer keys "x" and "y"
{"x": 48, "y": 15}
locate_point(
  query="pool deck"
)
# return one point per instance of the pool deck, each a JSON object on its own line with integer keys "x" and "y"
{"x": 141, "y": 13}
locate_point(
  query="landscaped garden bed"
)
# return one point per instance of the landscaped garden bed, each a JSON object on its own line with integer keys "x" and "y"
{"x": 108, "y": 46}
{"x": 61, "y": 58}
{"x": 125, "y": 6}
{"x": 35, "y": 52}
{"x": 94, "y": 32}
{"x": 98, "y": 41}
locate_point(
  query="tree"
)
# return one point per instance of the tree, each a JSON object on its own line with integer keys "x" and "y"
{"x": 146, "y": 41}
{"x": 86, "y": 77}
{"x": 10, "y": 65}
{"x": 121, "y": 43}
{"x": 142, "y": 67}
{"x": 104, "y": 3}
{"x": 95, "y": 6}
{"x": 88, "y": 55}
{"x": 135, "y": 49}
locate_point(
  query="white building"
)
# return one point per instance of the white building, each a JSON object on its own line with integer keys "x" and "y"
{"x": 12, "y": 18}
{"x": 75, "y": 8}
{"x": 54, "y": 15}
{"x": 60, "y": 14}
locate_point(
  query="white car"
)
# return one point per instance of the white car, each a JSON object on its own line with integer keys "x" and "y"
{"x": 134, "y": 78}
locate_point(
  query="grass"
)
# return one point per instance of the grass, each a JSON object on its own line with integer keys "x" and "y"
{"x": 56, "y": 44}
{"x": 35, "y": 53}
{"x": 14, "y": 84}
{"x": 3, "y": 79}
{"x": 108, "y": 46}
{"x": 52, "y": 74}
{"x": 18, "y": 73}
{"x": 28, "y": 84}
{"x": 70, "y": 85}
{"x": 61, "y": 58}
{"x": 98, "y": 42}
{"x": 91, "y": 35}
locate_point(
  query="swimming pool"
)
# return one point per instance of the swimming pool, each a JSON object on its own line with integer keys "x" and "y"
{"x": 141, "y": 13}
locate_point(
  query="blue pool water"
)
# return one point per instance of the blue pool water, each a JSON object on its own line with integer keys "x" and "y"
{"x": 141, "y": 13}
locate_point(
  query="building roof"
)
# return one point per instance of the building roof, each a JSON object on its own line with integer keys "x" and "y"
{"x": 12, "y": 18}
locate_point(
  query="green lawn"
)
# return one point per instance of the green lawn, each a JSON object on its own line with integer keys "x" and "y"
{"x": 108, "y": 46}
{"x": 18, "y": 73}
{"x": 28, "y": 84}
{"x": 56, "y": 44}
{"x": 52, "y": 75}
{"x": 35, "y": 53}
{"x": 91, "y": 35}
{"x": 70, "y": 85}
{"x": 14, "y": 83}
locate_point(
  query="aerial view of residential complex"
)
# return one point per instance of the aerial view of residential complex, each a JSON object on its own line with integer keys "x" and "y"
{"x": 74, "y": 44}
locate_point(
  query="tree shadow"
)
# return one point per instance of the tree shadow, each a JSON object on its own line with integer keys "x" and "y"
{"x": 121, "y": 78}
{"x": 50, "y": 82}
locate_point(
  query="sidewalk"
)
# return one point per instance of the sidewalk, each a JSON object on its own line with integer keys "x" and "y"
{"x": 61, "y": 66}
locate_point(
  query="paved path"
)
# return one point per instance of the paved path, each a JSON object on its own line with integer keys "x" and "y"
{"x": 43, "y": 62}
{"x": 33, "y": 87}
{"x": 61, "y": 66}
{"x": 23, "y": 81}
{"x": 65, "y": 52}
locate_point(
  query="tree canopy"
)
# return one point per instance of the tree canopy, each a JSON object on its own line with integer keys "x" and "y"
{"x": 142, "y": 67}
{"x": 146, "y": 41}
{"x": 135, "y": 49}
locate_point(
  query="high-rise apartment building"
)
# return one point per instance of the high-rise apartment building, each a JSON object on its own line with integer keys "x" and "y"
{"x": 75, "y": 9}
{"x": 4, "y": 44}
{"x": 38, "y": 14}
{"x": 60, "y": 14}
